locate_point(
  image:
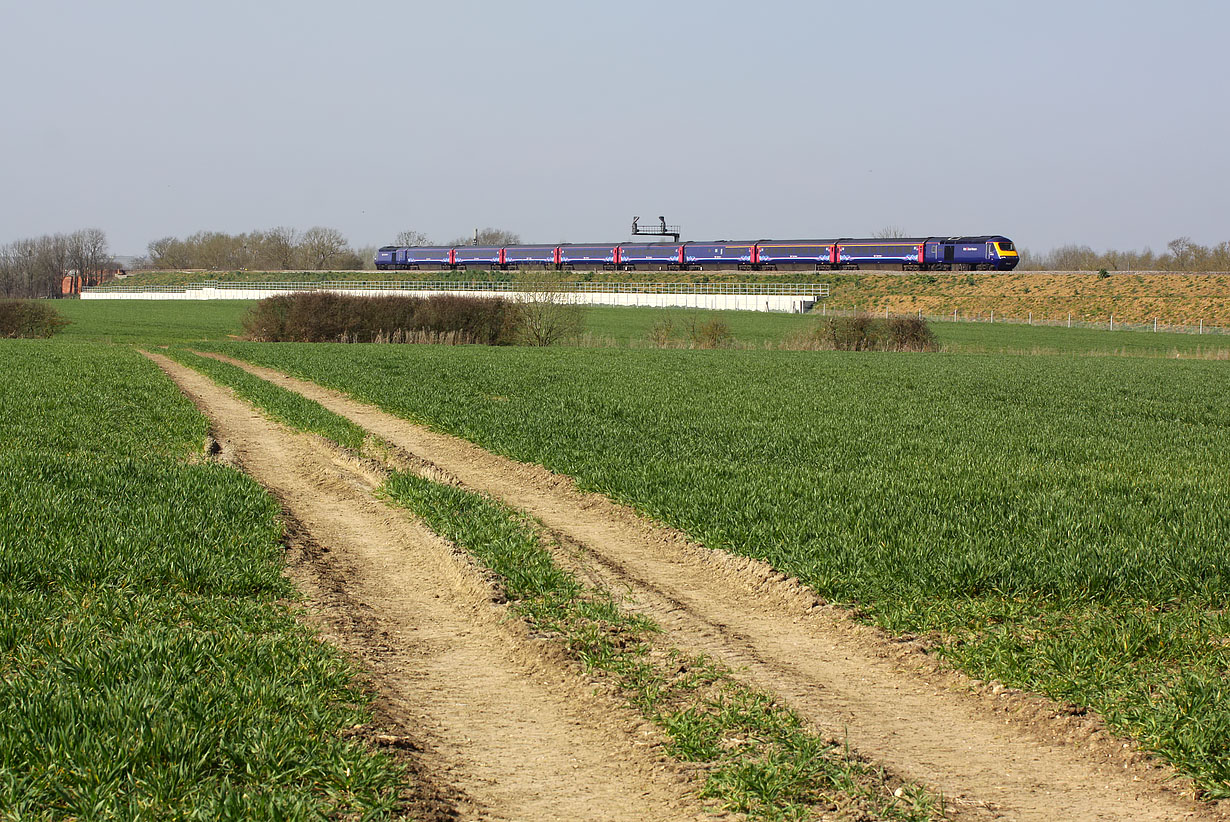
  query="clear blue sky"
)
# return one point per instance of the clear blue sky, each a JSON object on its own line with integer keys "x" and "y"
{"x": 1052, "y": 122}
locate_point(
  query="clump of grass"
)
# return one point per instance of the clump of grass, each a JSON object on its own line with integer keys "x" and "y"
{"x": 862, "y": 332}
{"x": 760, "y": 758}
{"x": 710, "y": 334}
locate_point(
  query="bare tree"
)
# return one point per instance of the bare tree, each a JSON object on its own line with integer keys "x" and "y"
{"x": 411, "y": 237}
{"x": 218, "y": 251}
{"x": 10, "y": 273}
{"x": 322, "y": 247}
{"x": 23, "y": 256}
{"x": 87, "y": 257}
{"x": 489, "y": 236}
{"x": 50, "y": 265}
{"x": 547, "y": 309}
{"x": 276, "y": 248}
{"x": 168, "y": 252}
{"x": 890, "y": 232}
{"x": 366, "y": 257}
{"x": 1183, "y": 250}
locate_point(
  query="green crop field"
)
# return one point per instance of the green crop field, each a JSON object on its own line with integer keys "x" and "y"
{"x": 1057, "y": 523}
{"x": 161, "y": 321}
{"x": 172, "y": 321}
{"x": 149, "y": 667}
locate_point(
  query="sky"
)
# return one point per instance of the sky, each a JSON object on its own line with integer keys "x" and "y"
{"x": 1089, "y": 122}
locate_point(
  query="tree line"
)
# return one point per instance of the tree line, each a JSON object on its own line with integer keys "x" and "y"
{"x": 36, "y": 266}
{"x": 1182, "y": 254}
{"x": 275, "y": 249}
{"x": 287, "y": 249}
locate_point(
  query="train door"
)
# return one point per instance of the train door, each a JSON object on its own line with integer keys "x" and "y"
{"x": 933, "y": 252}
{"x": 949, "y": 251}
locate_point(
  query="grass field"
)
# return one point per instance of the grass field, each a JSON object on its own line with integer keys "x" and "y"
{"x": 149, "y": 667}
{"x": 176, "y": 321}
{"x": 154, "y": 321}
{"x": 778, "y": 770}
{"x": 1057, "y": 523}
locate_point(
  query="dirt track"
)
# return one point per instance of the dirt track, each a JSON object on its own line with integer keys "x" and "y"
{"x": 993, "y": 754}
{"x": 499, "y": 729}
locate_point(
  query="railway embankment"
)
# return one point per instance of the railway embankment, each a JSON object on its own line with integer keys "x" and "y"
{"x": 1141, "y": 298}
{"x": 1173, "y": 299}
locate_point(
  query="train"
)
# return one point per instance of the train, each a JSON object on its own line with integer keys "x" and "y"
{"x": 981, "y": 253}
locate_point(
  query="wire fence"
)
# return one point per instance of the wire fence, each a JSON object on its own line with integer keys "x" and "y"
{"x": 580, "y": 287}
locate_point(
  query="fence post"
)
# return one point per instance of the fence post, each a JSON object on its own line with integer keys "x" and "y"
{"x": 1031, "y": 318}
{"x": 1155, "y": 325}
{"x": 1069, "y": 319}
{"x": 1201, "y": 331}
{"x": 992, "y": 315}
{"x": 1112, "y": 322}
{"x": 954, "y": 315}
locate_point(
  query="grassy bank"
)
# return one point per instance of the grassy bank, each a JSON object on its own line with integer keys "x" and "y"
{"x": 1175, "y": 299}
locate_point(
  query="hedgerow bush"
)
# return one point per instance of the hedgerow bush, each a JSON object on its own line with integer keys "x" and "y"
{"x": 28, "y": 319}
{"x": 325, "y": 317}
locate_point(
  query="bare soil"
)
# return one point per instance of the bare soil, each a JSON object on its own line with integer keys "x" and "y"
{"x": 493, "y": 725}
{"x": 994, "y": 753}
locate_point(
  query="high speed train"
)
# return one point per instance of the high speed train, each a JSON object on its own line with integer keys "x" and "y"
{"x": 973, "y": 253}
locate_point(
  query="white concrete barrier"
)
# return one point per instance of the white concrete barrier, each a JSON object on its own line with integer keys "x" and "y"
{"x": 781, "y": 297}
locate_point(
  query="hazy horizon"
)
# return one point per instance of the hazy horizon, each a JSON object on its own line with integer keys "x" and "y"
{"x": 1052, "y": 123}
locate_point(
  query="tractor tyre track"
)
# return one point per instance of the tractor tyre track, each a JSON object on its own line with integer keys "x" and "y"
{"x": 496, "y": 725}
{"x": 994, "y": 753}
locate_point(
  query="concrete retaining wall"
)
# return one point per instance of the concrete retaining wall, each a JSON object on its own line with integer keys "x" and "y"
{"x": 792, "y": 303}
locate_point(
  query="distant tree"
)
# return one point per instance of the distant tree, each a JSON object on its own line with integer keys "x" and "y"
{"x": 1073, "y": 257}
{"x": 87, "y": 256}
{"x": 890, "y": 232}
{"x": 218, "y": 251}
{"x": 410, "y": 237}
{"x": 366, "y": 256}
{"x": 50, "y": 265}
{"x": 489, "y": 236}
{"x": 275, "y": 248}
{"x": 1183, "y": 250}
{"x": 10, "y": 272}
{"x": 21, "y": 259}
{"x": 322, "y": 248}
{"x": 168, "y": 253}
